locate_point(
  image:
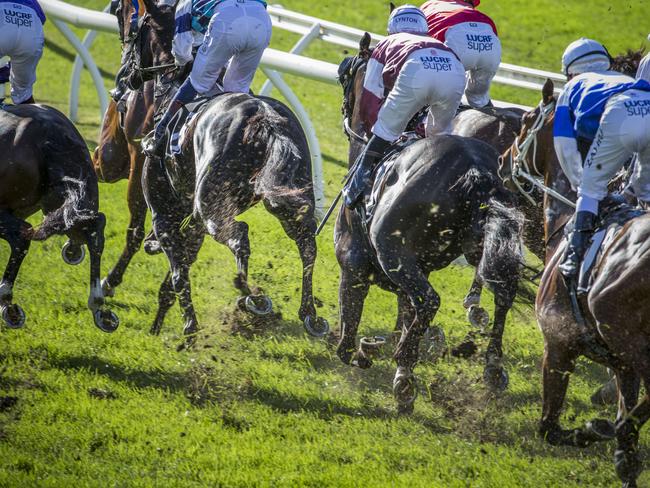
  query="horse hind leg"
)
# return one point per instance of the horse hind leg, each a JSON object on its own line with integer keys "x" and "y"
{"x": 93, "y": 234}
{"x": 166, "y": 299}
{"x": 12, "y": 229}
{"x": 135, "y": 231}
{"x": 299, "y": 224}
{"x": 626, "y": 457}
{"x": 407, "y": 275}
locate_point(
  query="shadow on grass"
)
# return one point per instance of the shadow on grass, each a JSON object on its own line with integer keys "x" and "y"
{"x": 163, "y": 380}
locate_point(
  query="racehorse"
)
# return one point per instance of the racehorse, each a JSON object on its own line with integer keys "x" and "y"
{"x": 45, "y": 165}
{"x": 119, "y": 156}
{"x": 615, "y": 307}
{"x": 238, "y": 151}
{"x": 439, "y": 198}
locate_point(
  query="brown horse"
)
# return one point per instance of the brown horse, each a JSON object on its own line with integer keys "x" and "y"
{"x": 616, "y": 308}
{"x": 45, "y": 165}
{"x": 119, "y": 156}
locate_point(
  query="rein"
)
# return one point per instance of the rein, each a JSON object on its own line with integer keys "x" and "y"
{"x": 346, "y": 75}
{"x": 519, "y": 164}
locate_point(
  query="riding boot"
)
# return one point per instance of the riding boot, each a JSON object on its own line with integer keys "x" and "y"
{"x": 155, "y": 146}
{"x": 578, "y": 241}
{"x": 361, "y": 179}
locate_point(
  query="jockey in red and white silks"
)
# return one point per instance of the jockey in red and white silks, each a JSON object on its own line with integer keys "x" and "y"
{"x": 472, "y": 35}
{"x": 406, "y": 72}
{"x": 22, "y": 39}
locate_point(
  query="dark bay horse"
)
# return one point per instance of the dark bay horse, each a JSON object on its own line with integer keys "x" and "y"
{"x": 45, "y": 165}
{"x": 616, "y": 307}
{"x": 239, "y": 151}
{"x": 441, "y": 198}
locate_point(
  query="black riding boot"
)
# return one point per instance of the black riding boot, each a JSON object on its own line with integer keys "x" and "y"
{"x": 362, "y": 177}
{"x": 582, "y": 230}
{"x": 155, "y": 146}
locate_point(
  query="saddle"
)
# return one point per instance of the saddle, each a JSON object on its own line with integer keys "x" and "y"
{"x": 615, "y": 212}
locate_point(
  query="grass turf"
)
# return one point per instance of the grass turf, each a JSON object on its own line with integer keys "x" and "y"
{"x": 264, "y": 405}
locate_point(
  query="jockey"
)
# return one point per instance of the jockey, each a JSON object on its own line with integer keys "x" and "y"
{"x": 236, "y": 34}
{"x": 472, "y": 35}
{"x": 602, "y": 118}
{"x": 22, "y": 39}
{"x": 406, "y": 72}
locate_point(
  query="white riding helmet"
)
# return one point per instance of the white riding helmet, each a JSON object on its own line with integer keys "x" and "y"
{"x": 407, "y": 18}
{"x": 585, "y": 55}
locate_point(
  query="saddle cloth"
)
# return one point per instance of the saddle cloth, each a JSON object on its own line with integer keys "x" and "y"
{"x": 615, "y": 213}
{"x": 380, "y": 175}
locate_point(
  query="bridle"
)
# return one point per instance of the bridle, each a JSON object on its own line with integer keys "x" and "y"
{"x": 135, "y": 55}
{"x": 519, "y": 167}
{"x": 346, "y": 75}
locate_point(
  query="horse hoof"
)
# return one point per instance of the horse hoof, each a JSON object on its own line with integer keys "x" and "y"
{"x": 496, "y": 378}
{"x": 259, "y": 305}
{"x": 73, "y": 254}
{"x": 316, "y": 328}
{"x": 435, "y": 342}
{"x": 471, "y": 300}
{"x": 598, "y": 430}
{"x": 478, "y": 317}
{"x": 107, "y": 289}
{"x": 13, "y": 315}
{"x": 405, "y": 390}
{"x": 606, "y": 394}
{"x": 152, "y": 247}
{"x": 106, "y": 320}
{"x": 371, "y": 346}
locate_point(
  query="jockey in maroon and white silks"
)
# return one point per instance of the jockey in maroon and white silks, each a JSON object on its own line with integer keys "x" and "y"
{"x": 406, "y": 72}
{"x": 472, "y": 35}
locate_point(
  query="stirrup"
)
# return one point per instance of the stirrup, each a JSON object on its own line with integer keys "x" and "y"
{"x": 152, "y": 147}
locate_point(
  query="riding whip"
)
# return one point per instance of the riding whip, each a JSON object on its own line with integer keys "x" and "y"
{"x": 352, "y": 170}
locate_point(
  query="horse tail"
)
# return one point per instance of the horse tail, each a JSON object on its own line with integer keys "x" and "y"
{"x": 69, "y": 214}
{"x": 501, "y": 227}
{"x": 285, "y": 179}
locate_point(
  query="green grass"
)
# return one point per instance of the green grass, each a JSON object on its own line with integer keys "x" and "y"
{"x": 264, "y": 405}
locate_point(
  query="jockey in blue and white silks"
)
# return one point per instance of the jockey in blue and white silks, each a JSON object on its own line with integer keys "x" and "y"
{"x": 22, "y": 39}
{"x": 602, "y": 119}
{"x": 236, "y": 34}
{"x": 643, "y": 71}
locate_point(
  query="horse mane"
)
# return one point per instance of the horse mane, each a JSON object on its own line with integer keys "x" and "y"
{"x": 628, "y": 62}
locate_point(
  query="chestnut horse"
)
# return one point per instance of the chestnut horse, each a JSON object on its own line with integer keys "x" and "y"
{"x": 616, "y": 307}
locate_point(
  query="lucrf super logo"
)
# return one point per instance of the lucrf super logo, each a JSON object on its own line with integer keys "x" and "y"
{"x": 479, "y": 42}
{"x": 17, "y": 16}
{"x": 437, "y": 63}
{"x": 638, "y": 107}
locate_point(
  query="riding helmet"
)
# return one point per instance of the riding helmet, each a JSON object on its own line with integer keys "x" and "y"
{"x": 407, "y": 18}
{"x": 580, "y": 56}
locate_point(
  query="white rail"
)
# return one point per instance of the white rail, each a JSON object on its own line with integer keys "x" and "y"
{"x": 273, "y": 63}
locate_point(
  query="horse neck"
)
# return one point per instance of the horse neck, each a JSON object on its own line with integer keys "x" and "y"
{"x": 556, "y": 213}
